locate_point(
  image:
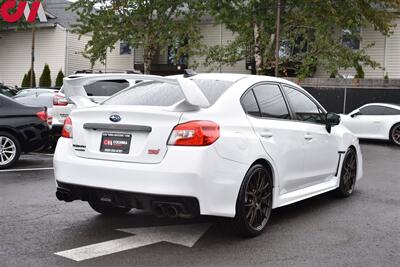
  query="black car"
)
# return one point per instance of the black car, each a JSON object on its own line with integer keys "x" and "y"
{"x": 4, "y": 90}
{"x": 22, "y": 129}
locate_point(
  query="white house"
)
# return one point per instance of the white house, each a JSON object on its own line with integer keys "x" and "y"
{"x": 54, "y": 45}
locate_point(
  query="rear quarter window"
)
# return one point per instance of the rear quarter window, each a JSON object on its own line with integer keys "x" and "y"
{"x": 392, "y": 111}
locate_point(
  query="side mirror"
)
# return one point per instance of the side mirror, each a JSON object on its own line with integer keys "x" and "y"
{"x": 332, "y": 119}
{"x": 355, "y": 114}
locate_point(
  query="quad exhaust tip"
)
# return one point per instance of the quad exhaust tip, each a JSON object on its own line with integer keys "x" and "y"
{"x": 167, "y": 210}
{"x": 64, "y": 196}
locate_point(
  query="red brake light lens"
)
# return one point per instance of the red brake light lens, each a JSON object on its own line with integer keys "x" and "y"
{"x": 67, "y": 128}
{"x": 59, "y": 100}
{"x": 194, "y": 133}
{"x": 42, "y": 115}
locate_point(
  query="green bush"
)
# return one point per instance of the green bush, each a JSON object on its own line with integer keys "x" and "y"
{"x": 59, "y": 79}
{"x": 360, "y": 72}
{"x": 45, "y": 78}
{"x": 25, "y": 81}
{"x": 386, "y": 77}
{"x": 29, "y": 79}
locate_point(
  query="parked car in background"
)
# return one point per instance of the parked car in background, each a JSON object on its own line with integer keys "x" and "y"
{"x": 40, "y": 98}
{"x": 229, "y": 145}
{"x": 98, "y": 89}
{"x": 36, "y": 97}
{"x": 22, "y": 129}
{"x": 4, "y": 90}
{"x": 375, "y": 121}
{"x": 34, "y": 92}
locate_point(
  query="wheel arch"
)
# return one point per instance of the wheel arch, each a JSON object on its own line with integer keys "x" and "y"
{"x": 272, "y": 170}
{"x": 11, "y": 131}
{"x": 268, "y": 166}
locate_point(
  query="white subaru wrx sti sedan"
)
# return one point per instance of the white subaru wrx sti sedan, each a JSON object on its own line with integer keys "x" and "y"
{"x": 226, "y": 145}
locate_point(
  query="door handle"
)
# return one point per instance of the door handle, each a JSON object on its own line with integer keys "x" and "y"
{"x": 266, "y": 134}
{"x": 308, "y": 137}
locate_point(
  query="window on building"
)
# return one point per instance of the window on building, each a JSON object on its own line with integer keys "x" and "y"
{"x": 351, "y": 39}
{"x": 125, "y": 49}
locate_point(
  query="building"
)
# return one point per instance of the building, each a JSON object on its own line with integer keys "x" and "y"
{"x": 57, "y": 46}
{"x": 54, "y": 45}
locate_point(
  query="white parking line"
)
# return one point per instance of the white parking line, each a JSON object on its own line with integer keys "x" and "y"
{"x": 25, "y": 170}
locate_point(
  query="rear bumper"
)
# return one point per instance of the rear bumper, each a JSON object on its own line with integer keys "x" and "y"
{"x": 189, "y": 206}
{"x": 197, "y": 172}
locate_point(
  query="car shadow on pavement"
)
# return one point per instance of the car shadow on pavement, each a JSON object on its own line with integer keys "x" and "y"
{"x": 138, "y": 219}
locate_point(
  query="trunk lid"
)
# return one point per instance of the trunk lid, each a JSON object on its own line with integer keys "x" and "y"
{"x": 123, "y": 133}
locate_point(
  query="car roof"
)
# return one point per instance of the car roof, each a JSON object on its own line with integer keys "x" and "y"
{"x": 395, "y": 106}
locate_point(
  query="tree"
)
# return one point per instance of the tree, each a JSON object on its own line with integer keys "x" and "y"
{"x": 29, "y": 79}
{"x": 25, "y": 81}
{"x": 153, "y": 25}
{"x": 60, "y": 79}
{"x": 312, "y": 33}
{"x": 45, "y": 78}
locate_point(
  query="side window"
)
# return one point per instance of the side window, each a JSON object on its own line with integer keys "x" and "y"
{"x": 392, "y": 111}
{"x": 271, "y": 101}
{"x": 250, "y": 105}
{"x": 373, "y": 110}
{"x": 304, "y": 108}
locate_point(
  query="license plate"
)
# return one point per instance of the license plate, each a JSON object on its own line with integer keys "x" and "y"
{"x": 115, "y": 143}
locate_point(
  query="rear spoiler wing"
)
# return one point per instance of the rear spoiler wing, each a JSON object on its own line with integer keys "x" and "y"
{"x": 74, "y": 88}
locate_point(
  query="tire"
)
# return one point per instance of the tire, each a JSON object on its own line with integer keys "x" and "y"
{"x": 395, "y": 134}
{"x": 254, "y": 203}
{"x": 348, "y": 174}
{"x": 10, "y": 150}
{"x": 108, "y": 210}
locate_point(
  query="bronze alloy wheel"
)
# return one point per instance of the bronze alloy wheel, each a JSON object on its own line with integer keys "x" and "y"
{"x": 349, "y": 174}
{"x": 258, "y": 200}
{"x": 254, "y": 204}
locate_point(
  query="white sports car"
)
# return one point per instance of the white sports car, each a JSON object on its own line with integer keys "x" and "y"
{"x": 226, "y": 145}
{"x": 375, "y": 121}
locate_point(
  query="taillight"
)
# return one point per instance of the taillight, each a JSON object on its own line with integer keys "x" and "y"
{"x": 67, "y": 128}
{"x": 59, "y": 100}
{"x": 42, "y": 115}
{"x": 194, "y": 133}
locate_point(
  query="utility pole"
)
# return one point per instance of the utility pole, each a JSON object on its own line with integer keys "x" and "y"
{"x": 33, "y": 55}
{"x": 278, "y": 30}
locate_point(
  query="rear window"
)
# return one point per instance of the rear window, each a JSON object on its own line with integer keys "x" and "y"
{"x": 163, "y": 94}
{"x": 106, "y": 88}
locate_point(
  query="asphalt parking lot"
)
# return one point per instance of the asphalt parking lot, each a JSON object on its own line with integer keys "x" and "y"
{"x": 362, "y": 230}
